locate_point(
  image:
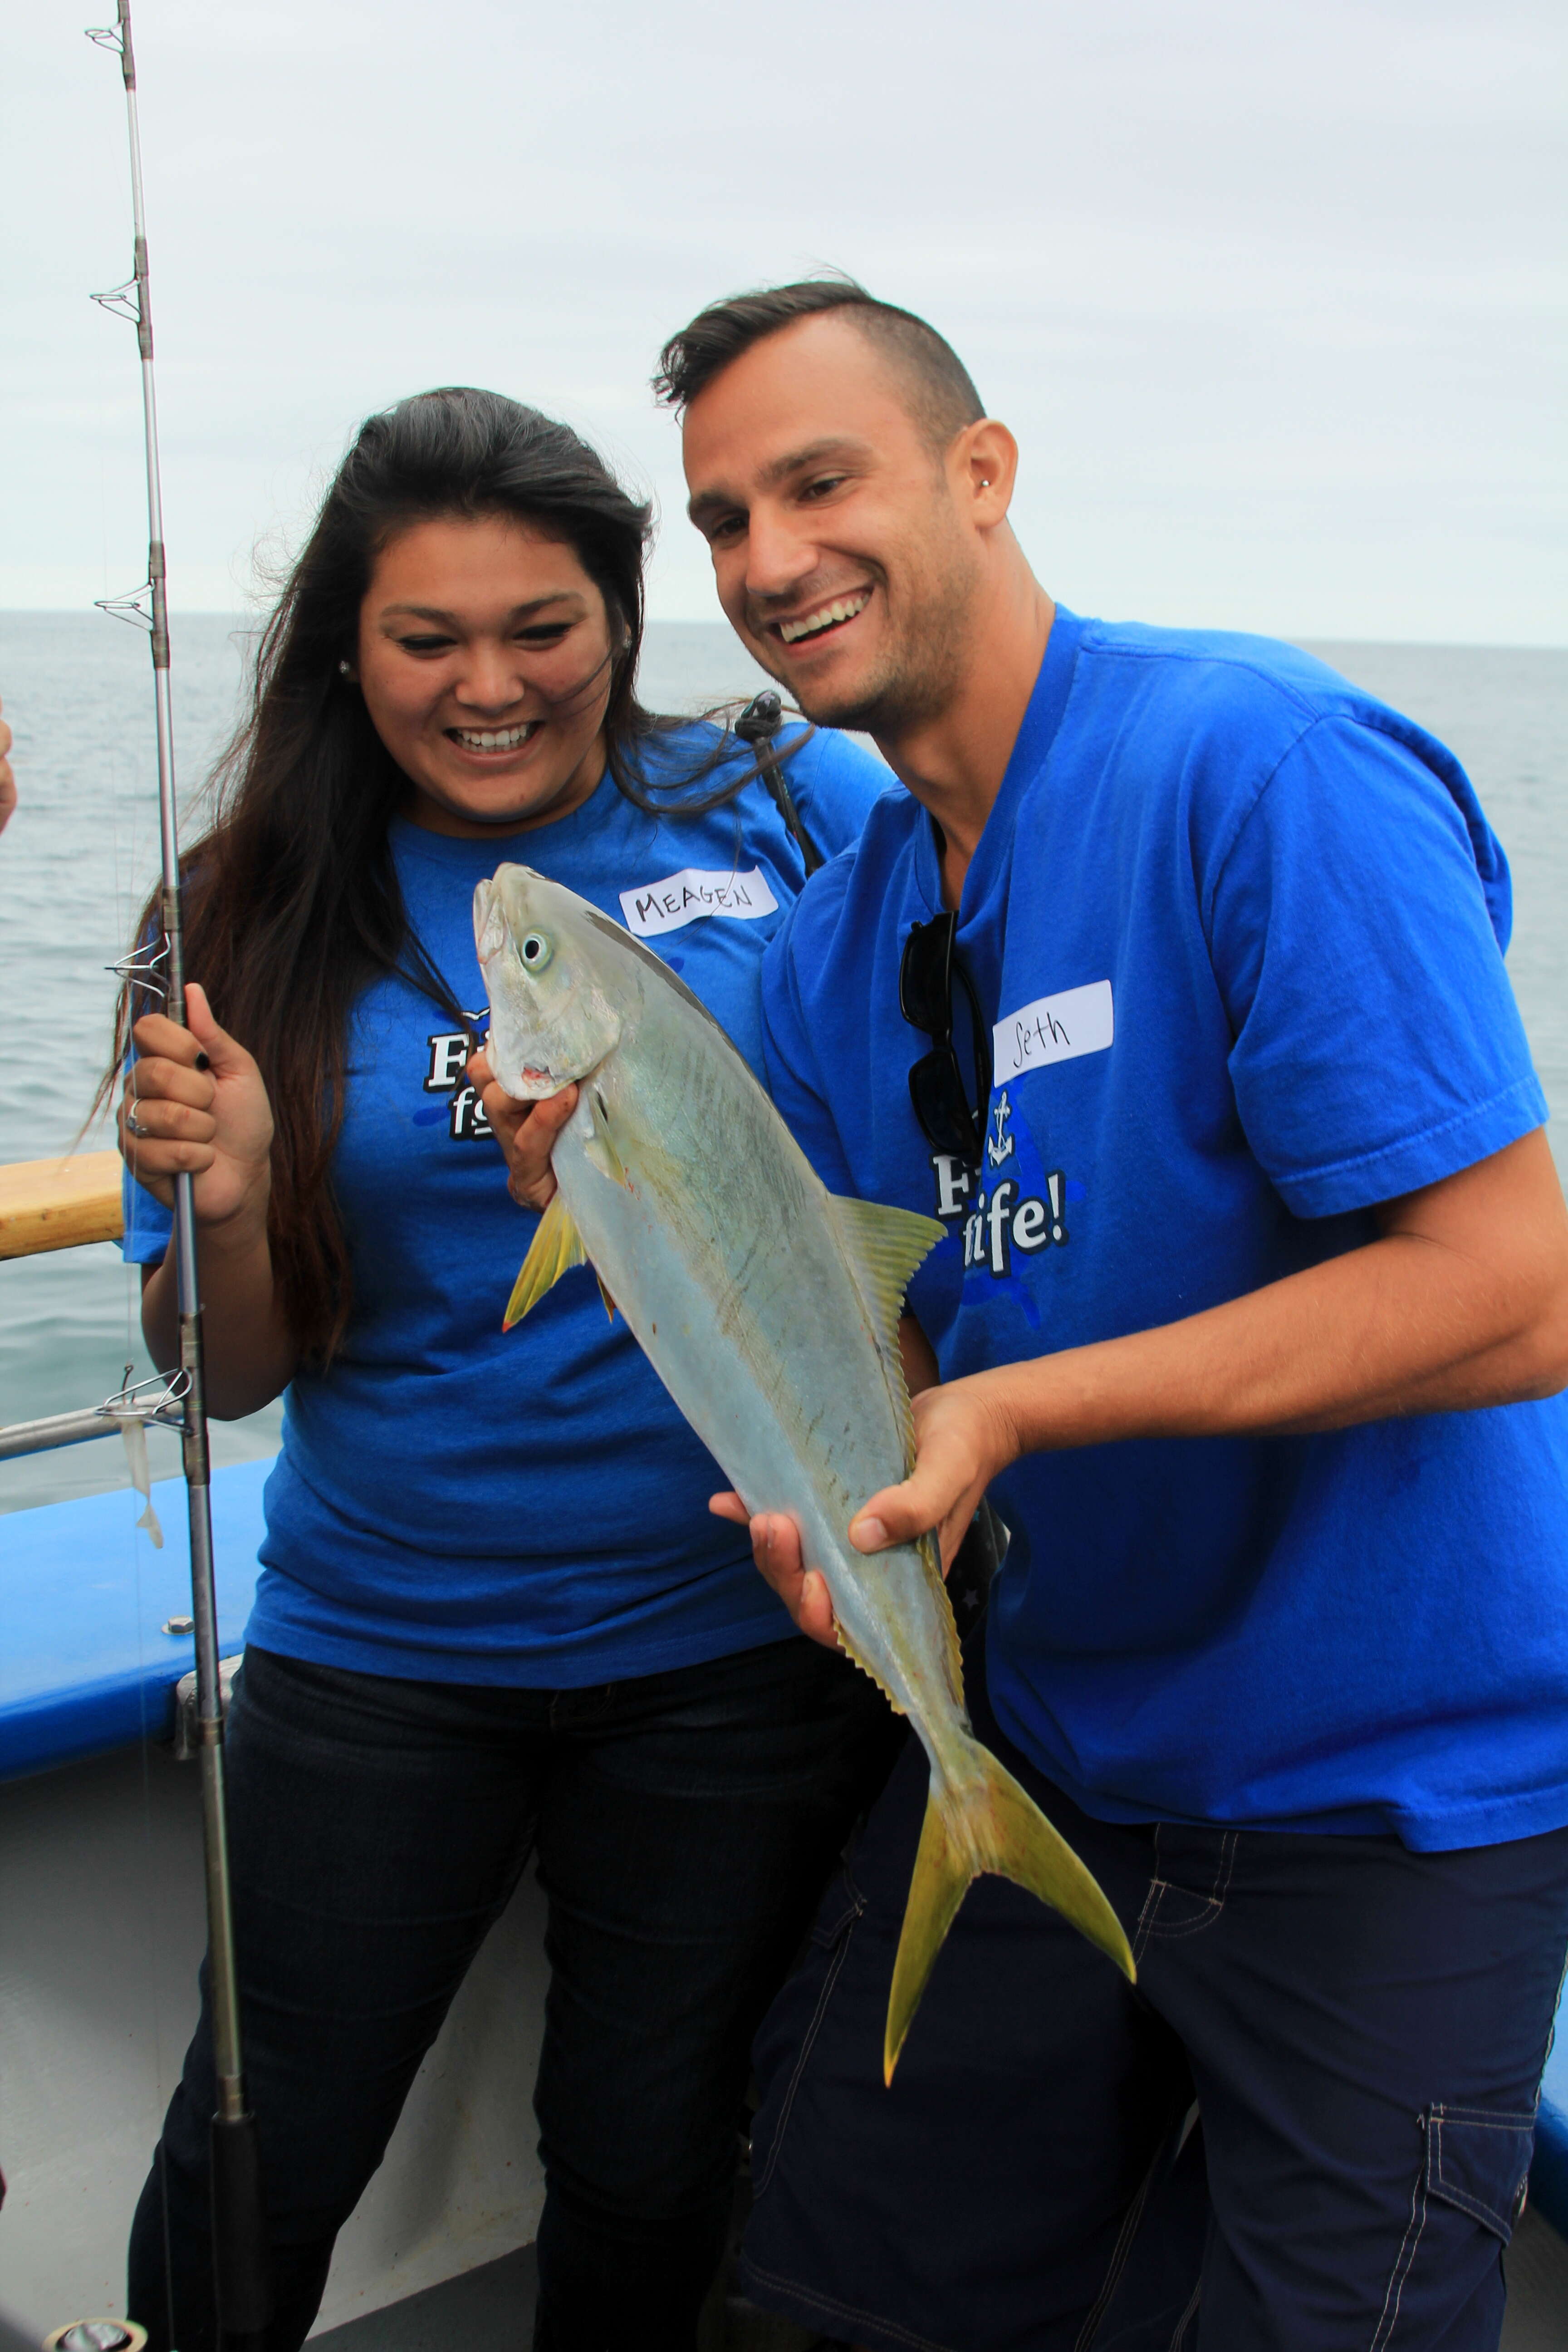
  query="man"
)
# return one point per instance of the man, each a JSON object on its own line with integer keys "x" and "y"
{"x": 1252, "y": 1318}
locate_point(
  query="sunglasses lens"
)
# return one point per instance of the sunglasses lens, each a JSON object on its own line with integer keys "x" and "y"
{"x": 942, "y": 1105}
{"x": 924, "y": 977}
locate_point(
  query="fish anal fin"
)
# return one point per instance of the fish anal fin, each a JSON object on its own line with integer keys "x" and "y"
{"x": 556, "y": 1248}
{"x": 988, "y": 1823}
{"x": 853, "y": 1654}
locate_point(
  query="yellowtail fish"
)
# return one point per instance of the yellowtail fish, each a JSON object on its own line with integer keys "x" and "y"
{"x": 769, "y": 1311}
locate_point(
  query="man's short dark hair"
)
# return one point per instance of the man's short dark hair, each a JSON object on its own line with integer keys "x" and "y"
{"x": 942, "y": 396}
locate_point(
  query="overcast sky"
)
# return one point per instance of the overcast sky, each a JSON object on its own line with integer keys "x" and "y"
{"x": 1272, "y": 293}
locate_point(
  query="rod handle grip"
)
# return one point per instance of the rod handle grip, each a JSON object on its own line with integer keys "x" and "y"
{"x": 242, "y": 2269}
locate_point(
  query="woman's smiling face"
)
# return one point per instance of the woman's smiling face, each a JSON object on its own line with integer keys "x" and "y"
{"x": 485, "y": 661}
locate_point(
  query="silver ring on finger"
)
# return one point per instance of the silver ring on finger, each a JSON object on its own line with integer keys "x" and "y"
{"x": 133, "y": 1125}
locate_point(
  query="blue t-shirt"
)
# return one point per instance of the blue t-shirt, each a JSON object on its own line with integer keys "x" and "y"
{"x": 1240, "y": 930}
{"x": 461, "y": 1505}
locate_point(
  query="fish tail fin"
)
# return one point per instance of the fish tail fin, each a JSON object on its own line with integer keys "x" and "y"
{"x": 987, "y": 1823}
{"x": 944, "y": 1873}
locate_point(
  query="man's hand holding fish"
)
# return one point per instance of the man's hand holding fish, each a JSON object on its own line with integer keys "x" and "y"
{"x": 962, "y": 1443}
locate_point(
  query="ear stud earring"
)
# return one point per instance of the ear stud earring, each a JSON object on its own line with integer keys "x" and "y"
{"x": 344, "y": 670}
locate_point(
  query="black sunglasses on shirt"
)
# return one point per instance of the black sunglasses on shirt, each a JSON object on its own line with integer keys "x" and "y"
{"x": 950, "y": 1121}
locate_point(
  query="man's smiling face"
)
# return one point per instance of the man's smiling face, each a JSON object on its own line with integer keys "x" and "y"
{"x": 840, "y": 548}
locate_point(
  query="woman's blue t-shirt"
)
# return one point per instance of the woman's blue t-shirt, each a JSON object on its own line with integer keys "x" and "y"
{"x": 1240, "y": 930}
{"x": 456, "y": 1504}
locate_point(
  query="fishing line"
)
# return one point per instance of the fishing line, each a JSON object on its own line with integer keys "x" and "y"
{"x": 239, "y": 2245}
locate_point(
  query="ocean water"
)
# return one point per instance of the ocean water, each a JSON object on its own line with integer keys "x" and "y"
{"x": 79, "y": 855}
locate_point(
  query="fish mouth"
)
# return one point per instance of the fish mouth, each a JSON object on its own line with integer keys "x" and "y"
{"x": 819, "y": 622}
{"x": 491, "y": 742}
{"x": 539, "y": 1084}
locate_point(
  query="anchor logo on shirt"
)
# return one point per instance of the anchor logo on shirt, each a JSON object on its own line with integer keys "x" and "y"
{"x": 997, "y": 1217}
{"x": 999, "y": 1146}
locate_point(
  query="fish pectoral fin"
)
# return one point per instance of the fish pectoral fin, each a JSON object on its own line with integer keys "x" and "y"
{"x": 601, "y": 1151}
{"x": 556, "y": 1248}
{"x": 609, "y": 1302}
{"x": 994, "y": 1826}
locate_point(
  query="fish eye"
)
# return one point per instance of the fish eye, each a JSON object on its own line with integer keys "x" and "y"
{"x": 535, "y": 950}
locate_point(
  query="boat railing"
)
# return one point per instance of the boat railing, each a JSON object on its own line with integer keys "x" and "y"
{"x": 50, "y": 1205}
{"x": 67, "y": 1203}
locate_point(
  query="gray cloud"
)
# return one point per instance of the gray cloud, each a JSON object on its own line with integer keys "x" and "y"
{"x": 1272, "y": 295}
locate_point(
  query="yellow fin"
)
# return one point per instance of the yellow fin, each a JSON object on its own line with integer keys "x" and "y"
{"x": 884, "y": 1246}
{"x": 853, "y": 1654}
{"x": 953, "y": 1652}
{"x": 556, "y": 1248}
{"x": 994, "y": 1826}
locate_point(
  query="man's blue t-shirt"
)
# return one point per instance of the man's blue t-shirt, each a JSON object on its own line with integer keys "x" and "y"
{"x": 1240, "y": 930}
{"x": 456, "y": 1504}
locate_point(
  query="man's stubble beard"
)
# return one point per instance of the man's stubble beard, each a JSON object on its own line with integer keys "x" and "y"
{"x": 918, "y": 674}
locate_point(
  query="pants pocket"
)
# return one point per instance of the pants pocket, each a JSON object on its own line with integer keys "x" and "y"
{"x": 1478, "y": 2161}
{"x": 1467, "y": 2197}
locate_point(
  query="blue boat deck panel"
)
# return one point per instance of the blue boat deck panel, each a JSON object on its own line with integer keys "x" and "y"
{"x": 84, "y": 1666}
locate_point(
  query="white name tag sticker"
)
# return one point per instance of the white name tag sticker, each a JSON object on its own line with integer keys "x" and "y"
{"x": 686, "y": 896}
{"x": 1054, "y": 1029}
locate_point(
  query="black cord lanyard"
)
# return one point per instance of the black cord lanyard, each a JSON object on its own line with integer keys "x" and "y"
{"x": 758, "y": 725}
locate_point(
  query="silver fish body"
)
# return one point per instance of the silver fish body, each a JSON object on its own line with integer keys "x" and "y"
{"x": 769, "y": 1309}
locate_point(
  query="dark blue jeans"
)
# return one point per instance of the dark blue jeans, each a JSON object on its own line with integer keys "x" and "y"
{"x": 684, "y": 1824}
{"x": 1363, "y": 2028}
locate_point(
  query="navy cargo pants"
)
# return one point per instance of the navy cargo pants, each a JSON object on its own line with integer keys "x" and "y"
{"x": 1363, "y": 2028}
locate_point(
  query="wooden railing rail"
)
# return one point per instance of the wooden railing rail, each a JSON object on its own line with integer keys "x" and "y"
{"x": 50, "y": 1205}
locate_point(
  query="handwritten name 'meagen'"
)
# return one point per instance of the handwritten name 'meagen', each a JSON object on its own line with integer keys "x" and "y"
{"x": 727, "y": 896}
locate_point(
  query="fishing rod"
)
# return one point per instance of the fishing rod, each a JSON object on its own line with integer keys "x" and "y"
{"x": 240, "y": 2269}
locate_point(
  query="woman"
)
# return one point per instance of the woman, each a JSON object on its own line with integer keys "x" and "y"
{"x": 495, "y": 1616}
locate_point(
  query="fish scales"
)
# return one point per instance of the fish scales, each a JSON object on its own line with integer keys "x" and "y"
{"x": 770, "y": 1312}
{"x": 767, "y": 1323}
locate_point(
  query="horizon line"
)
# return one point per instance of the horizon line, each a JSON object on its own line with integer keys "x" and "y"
{"x": 241, "y": 619}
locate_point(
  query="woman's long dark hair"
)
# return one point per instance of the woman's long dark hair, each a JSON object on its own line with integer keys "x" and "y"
{"x": 292, "y": 901}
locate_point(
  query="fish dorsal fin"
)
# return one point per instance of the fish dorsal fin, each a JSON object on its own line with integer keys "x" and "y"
{"x": 556, "y": 1248}
{"x": 885, "y": 1246}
